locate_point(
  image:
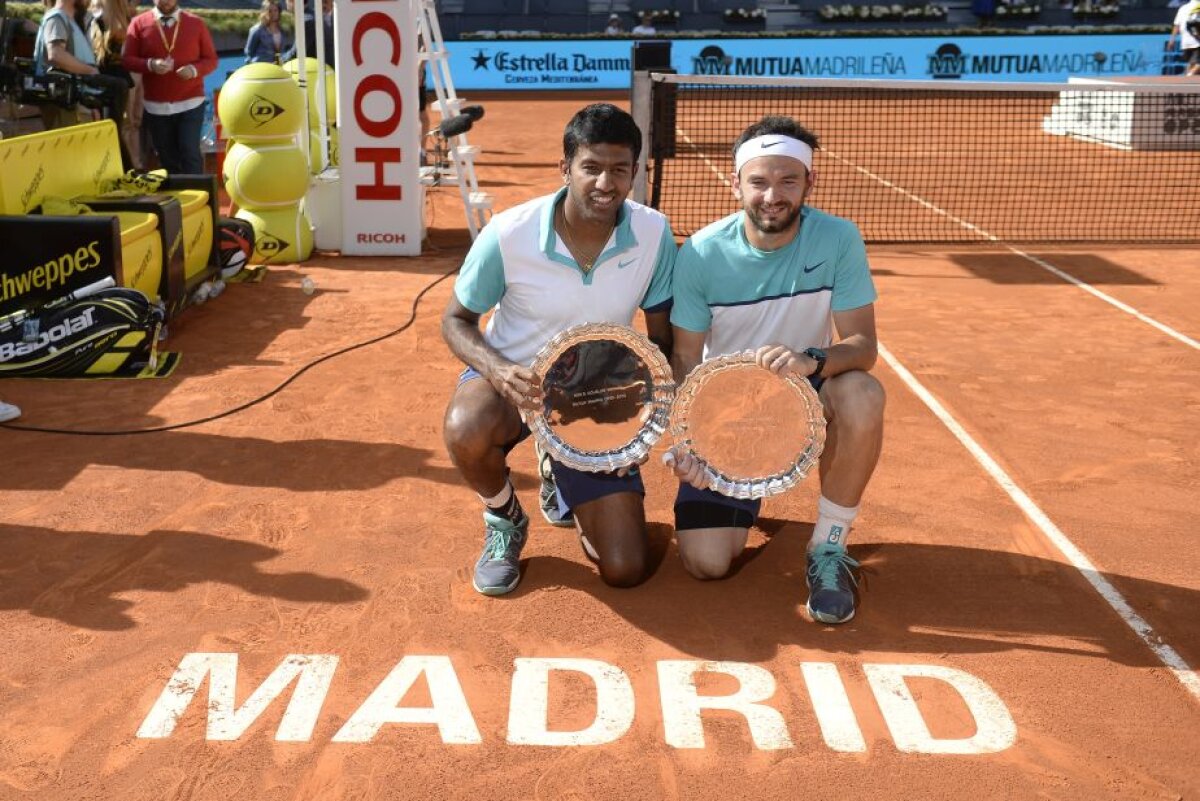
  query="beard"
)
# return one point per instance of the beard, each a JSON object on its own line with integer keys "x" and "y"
{"x": 774, "y": 226}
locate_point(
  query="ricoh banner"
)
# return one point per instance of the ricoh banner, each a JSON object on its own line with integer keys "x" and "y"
{"x": 378, "y": 127}
{"x": 605, "y": 64}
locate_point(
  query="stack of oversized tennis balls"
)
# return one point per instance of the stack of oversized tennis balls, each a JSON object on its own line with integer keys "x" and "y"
{"x": 314, "y": 118}
{"x": 265, "y": 173}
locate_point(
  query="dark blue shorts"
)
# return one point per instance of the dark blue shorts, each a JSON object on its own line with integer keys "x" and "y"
{"x": 697, "y": 508}
{"x": 575, "y": 487}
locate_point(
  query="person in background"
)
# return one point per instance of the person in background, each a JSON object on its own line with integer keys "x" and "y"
{"x": 62, "y": 45}
{"x": 1187, "y": 22}
{"x": 310, "y": 31}
{"x": 985, "y": 10}
{"x": 422, "y": 98}
{"x": 8, "y": 412}
{"x": 615, "y": 28}
{"x": 267, "y": 41}
{"x": 646, "y": 27}
{"x": 110, "y": 22}
{"x": 174, "y": 51}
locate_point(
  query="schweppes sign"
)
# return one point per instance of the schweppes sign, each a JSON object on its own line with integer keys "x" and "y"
{"x": 48, "y": 258}
{"x": 51, "y": 276}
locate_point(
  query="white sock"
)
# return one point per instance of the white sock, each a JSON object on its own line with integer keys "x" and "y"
{"x": 505, "y": 503}
{"x": 833, "y": 523}
{"x": 500, "y": 498}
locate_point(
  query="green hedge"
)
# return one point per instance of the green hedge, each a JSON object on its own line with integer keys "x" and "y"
{"x": 218, "y": 20}
{"x": 238, "y": 23}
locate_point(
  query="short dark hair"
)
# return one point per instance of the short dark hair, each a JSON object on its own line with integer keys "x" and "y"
{"x": 601, "y": 123}
{"x": 777, "y": 126}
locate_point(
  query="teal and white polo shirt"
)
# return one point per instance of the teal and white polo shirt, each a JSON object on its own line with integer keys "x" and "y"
{"x": 746, "y": 298}
{"x": 520, "y": 266}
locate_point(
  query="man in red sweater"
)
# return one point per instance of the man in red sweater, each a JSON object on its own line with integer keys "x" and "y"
{"x": 174, "y": 50}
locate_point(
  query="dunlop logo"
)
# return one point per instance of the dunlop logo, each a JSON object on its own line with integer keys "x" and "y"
{"x": 270, "y": 245}
{"x": 263, "y": 110}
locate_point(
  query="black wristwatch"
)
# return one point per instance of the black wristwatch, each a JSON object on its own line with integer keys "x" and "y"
{"x": 819, "y": 356}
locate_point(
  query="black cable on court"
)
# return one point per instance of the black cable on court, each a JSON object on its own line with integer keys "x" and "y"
{"x": 412, "y": 318}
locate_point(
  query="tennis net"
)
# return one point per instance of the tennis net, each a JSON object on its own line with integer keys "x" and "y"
{"x": 935, "y": 161}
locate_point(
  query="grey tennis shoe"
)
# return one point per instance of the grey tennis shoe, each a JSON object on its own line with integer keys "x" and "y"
{"x": 498, "y": 570}
{"x": 8, "y": 412}
{"x": 548, "y": 495}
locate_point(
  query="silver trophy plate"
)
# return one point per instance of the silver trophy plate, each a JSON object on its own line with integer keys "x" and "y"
{"x": 607, "y": 393}
{"x": 757, "y": 433}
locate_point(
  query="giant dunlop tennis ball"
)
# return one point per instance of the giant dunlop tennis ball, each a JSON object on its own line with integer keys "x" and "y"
{"x": 260, "y": 102}
{"x": 314, "y": 145}
{"x": 281, "y": 236}
{"x": 265, "y": 175}
{"x": 310, "y": 79}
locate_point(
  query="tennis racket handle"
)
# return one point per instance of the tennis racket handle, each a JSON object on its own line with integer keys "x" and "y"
{"x": 18, "y": 317}
{"x": 85, "y": 291}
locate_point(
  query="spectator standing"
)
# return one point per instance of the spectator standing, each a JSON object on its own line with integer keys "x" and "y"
{"x": 615, "y": 28}
{"x": 1187, "y": 28}
{"x": 174, "y": 50}
{"x": 110, "y": 22}
{"x": 310, "y": 32}
{"x": 646, "y": 26}
{"x": 985, "y": 10}
{"x": 62, "y": 45}
{"x": 267, "y": 40}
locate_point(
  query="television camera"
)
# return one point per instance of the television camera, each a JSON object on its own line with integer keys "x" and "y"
{"x": 19, "y": 81}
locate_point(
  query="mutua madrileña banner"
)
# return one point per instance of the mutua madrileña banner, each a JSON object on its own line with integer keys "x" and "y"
{"x": 606, "y": 64}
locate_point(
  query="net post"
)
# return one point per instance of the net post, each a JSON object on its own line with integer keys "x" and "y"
{"x": 639, "y": 103}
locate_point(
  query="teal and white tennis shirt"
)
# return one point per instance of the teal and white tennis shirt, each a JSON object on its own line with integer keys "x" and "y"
{"x": 520, "y": 266}
{"x": 746, "y": 298}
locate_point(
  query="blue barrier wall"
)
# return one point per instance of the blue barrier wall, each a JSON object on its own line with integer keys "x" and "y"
{"x": 600, "y": 64}
{"x": 604, "y": 64}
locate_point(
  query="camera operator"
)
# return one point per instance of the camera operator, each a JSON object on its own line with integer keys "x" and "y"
{"x": 63, "y": 46}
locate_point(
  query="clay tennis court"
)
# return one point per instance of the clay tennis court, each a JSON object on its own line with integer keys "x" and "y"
{"x": 327, "y": 521}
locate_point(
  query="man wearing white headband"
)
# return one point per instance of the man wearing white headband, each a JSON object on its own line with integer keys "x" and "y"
{"x": 792, "y": 284}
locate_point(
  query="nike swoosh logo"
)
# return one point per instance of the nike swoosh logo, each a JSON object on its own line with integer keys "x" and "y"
{"x": 622, "y": 265}
{"x": 772, "y": 144}
{"x": 808, "y": 269}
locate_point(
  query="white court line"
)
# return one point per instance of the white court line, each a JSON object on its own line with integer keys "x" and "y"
{"x": 1050, "y": 268}
{"x": 1109, "y": 299}
{"x": 1166, "y": 654}
{"x": 700, "y": 153}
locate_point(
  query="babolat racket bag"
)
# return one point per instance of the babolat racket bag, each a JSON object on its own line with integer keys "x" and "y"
{"x": 109, "y": 332}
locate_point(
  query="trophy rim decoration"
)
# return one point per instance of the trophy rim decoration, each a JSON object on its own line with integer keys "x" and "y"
{"x": 753, "y": 487}
{"x": 662, "y": 394}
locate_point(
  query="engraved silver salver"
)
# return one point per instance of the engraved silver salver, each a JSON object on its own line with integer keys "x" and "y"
{"x": 607, "y": 394}
{"x": 758, "y": 433}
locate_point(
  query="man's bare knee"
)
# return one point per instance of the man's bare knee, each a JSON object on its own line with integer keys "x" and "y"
{"x": 623, "y": 570}
{"x": 705, "y": 566}
{"x": 858, "y": 399}
{"x": 471, "y": 428}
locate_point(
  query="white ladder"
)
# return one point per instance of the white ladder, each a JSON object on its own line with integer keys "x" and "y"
{"x": 460, "y": 169}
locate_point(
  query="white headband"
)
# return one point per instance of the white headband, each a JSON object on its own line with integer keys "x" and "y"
{"x": 773, "y": 145}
